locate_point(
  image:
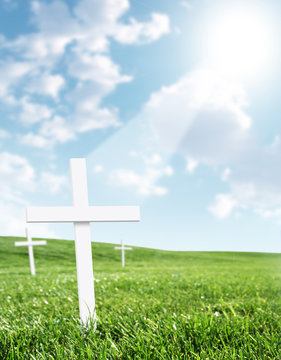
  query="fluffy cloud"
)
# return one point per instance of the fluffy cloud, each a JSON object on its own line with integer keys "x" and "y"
{"x": 78, "y": 37}
{"x": 88, "y": 114}
{"x": 31, "y": 113}
{"x": 12, "y": 219}
{"x": 46, "y": 84}
{"x": 51, "y": 132}
{"x": 143, "y": 183}
{"x": 97, "y": 68}
{"x": 98, "y": 169}
{"x": 191, "y": 165}
{"x": 16, "y": 171}
{"x": 101, "y": 13}
{"x": 139, "y": 33}
{"x": 56, "y": 130}
{"x": 10, "y": 73}
{"x": 12, "y": 222}
{"x": 253, "y": 184}
{"x": 17, "y": 179}
{"x": 33, "y": 140}
{"x": 225, "y": 174}
{"x": 185, "y": 4}
{"x": 201, "y": 117}
{"x": 54, "y": 183}
{"x": 223, "y": 205}
{"x": 4, "y": 134}
{"x": 204, "y": 118}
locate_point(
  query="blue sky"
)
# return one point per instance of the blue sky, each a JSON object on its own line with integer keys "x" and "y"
{"x": 174, "y": 104}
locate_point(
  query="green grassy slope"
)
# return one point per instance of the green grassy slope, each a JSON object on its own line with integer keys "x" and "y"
{"x": 162, "y": 305}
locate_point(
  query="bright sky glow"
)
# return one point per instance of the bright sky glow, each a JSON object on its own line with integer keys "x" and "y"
{"x": 240, "y": 41}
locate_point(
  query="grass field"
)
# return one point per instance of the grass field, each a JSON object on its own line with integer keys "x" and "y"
{"x": 162, "y": 305}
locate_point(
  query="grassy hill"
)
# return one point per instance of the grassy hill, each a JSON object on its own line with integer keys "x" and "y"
{"x": 162, "y": 305}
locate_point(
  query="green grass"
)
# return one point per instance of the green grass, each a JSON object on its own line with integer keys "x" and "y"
{"x": 163, "y": 305}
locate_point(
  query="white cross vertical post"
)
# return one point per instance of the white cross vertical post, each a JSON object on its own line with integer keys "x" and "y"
{"x": 81, "y": 214}
{"x": 123, "y": 248}
{"x": 83, "y": 246}
{"x": 29, "y": 243}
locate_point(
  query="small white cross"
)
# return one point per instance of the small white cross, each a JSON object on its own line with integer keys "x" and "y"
{"x": 81, "y": 214}
{"x": 123, "y": 248}
{"x": 30, "y": 245}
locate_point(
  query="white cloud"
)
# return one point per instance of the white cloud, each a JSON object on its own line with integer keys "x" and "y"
{"x": 56, "y": 130}
{"x": 154, "y": 159}
{"x": 34, "y": 140}
{"x": 49, "y": 16}
{"x": 98, "y": 169}
{"x": 46, "y": 84}
{"x": 50, "y": 133}
{"x": 16, "y": 171}
{"x": 186, "y": 4}
{"x": 78, "y": 36}
{"x": 89, "y": 115}
{"x": 54, "y": 183}
{"x": 143, "y": 183}
{"x": 138, "y": 33}
{"x": 202, "y": 117}
{"x": 4, "y": 134}
{"x": 97, "y": 68}
{"x": 223, "y": 205}
{"x": 10, "y": 73}
{"x": 12, "y": 221}
{"x": 255, "y": 182}
{"x": 31, "y": 113}
{"x": 95, "y": 118}
{"x": 225, "y": 174}
{"x": 191, "y": 165}
{"x": 274, "y": 213}
{"x": 17, "y": 179}
{"x": 100, "y": 12}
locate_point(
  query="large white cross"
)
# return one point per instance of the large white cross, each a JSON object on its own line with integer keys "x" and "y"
{"x": 81, "y": 214}
{"x": 30, "y": 245}
{"x": 123, "y": 248}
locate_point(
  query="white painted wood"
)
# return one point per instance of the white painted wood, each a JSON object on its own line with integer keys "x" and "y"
{"x": 122, "y": 248}
{"x": 85, "y": 277}
{"x": 83, "y": 246}
{"x": 26, "y": 243}
{"x": 29, "y": 243}
{"x": 81, "y": 214}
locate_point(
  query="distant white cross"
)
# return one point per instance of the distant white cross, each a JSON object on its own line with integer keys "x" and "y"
{"x": 81, "y": 214}
{"x": 123, "y": 248}
{"x": 30, "y": 245}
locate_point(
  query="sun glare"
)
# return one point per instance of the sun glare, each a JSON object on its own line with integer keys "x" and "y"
{"x": 239, "y": 42}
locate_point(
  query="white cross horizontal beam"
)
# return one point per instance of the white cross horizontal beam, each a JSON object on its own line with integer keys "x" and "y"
{"x": 121, "y": 248}
{"x": 28, "y": 243}
{"x": 83, "y": 214}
